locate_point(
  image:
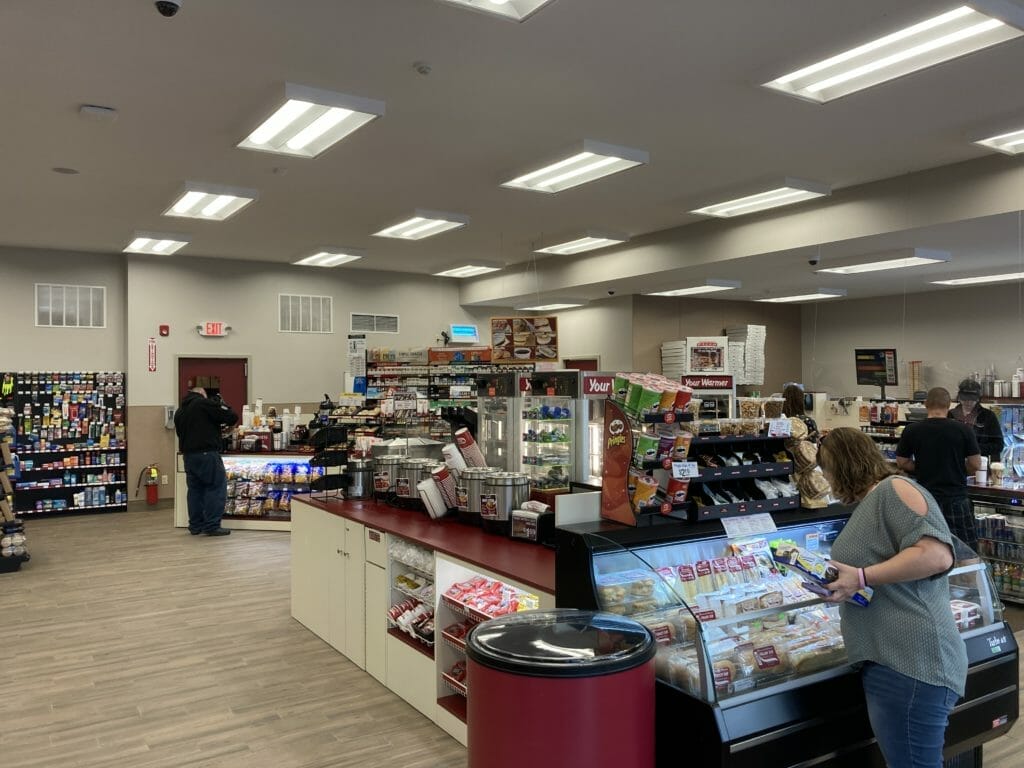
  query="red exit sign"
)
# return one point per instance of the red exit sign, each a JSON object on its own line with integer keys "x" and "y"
{"x": 210, "y": 328}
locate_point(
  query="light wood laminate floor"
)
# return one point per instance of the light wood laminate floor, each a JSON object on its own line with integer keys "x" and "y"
{"x": 126, "y": 642}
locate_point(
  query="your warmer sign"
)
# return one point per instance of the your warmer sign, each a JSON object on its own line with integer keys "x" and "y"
{"x": 597, "y": 386}
{"x": 708, "y": 382}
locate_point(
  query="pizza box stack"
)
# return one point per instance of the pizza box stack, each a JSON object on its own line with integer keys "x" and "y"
{"x": 673, "y": 359}
{"x": 753, "y": 338}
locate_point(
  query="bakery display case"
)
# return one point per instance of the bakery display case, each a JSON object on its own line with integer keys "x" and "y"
{"x": 752, "y": 658}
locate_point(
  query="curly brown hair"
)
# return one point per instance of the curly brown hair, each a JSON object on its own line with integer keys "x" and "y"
{"x": 852, "y": 463}
{"x": 793, "y": 397}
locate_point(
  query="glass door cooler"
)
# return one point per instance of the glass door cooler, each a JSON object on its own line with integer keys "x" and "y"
{"x": 549, "y": 413}
{"x": 751, "y": 666}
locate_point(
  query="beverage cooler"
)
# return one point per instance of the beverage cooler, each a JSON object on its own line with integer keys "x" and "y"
{"x": 549, "y": 412}
{"x": 751, "y": 668}
{"x": 499, "y": 400}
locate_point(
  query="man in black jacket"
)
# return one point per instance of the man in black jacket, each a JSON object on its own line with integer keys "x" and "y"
{"x": 198, "y": 423}
{"x": 981, "y": 421}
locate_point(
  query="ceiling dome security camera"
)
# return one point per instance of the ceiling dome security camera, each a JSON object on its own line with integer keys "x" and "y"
{"x": 168, "y": 8}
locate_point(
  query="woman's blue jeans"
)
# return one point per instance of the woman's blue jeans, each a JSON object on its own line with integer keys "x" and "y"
{"x": 908, "y": 717}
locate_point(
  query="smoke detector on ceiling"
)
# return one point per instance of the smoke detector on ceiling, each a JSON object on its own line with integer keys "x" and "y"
{"x": 97, "y": 113}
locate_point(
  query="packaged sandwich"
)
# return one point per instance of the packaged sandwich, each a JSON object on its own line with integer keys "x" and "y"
{"x": 818, "y": 570}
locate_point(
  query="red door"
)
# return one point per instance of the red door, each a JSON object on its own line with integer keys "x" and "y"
{"x": 228, "y": 376}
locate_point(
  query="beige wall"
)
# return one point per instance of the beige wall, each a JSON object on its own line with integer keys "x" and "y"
{"x": 952, "y": 332}
{"x": 658, "y": 319}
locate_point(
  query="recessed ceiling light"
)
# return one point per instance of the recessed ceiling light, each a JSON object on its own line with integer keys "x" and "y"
{"x": 933, "y": 41}
{"x": 467, "y": 270}
{"x": 981, "y": 280}
{"x": 210, "y": 202}
{"x": 917, "y": 257}
{"x": 709, "y": 286}
{"x": 821, "y": 293}
{"x": 310, "y": 121}
{"x": 1009, "y": 143}
{"x": 589, "y": 161}
{"x": 331, "y": 257}
{"x": 66, "y": 171}
{"x": 424, "y": 224}
{"x": 786, "y": 193}
{"x": 589, "y": 242}
{"x": 551, "y": 306}
{"x": 517, "y": 10}
{"x": 156, "y": 243}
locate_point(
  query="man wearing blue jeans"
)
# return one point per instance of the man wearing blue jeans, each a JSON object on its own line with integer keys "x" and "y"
{"x": 198, "y": 423}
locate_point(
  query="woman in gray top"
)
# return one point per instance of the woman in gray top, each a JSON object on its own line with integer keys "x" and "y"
{"x": 913, "y": 662}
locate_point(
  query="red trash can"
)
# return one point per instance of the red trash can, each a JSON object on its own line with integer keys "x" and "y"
{"x": 552, "y": 689}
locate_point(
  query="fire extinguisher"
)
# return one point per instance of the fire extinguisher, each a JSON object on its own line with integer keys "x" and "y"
{"x": 150, "y": 476}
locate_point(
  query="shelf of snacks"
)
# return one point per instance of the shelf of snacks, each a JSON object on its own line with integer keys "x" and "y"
{"x": 78, "y": 416}
{"x": 411, "y": 578}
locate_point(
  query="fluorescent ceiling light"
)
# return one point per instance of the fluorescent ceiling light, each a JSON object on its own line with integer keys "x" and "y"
{"x": 821, "y": 293}
{"x": 210, "y": 202}
{"x": 917, "y": 257}
{"x": 1010, "y": 143}
{"x": 467, "y": 270}
{"x": 516, "y": 10}
{"x": 589, "y": 242}
{"x": 310, "y": 120}
{"x": 933, "y": 41}
{"x": 981, "y": 280}
{"x": 424, "y": 224}
{"x": 788, "y": 192}
{"x": 552, "y": 305}
{"x": 709, "y": 286}
{"x": 589, "y": 161}
{"x": 331, "y": 257}
{"x": 156, "y": 243}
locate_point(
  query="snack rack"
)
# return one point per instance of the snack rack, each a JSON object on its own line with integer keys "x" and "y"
{"x": 410, "y": 616}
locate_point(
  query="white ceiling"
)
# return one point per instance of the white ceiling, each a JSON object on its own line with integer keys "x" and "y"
{"x": 678, "y": 79}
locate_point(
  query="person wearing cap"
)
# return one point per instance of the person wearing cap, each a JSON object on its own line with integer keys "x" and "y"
{"x": 981, "y": 421}
{"x": 940, "y": 452}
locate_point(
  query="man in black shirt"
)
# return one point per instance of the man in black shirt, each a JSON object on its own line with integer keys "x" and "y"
{"x": 197, "y": 423}
{"x": 981, "y": 421}
{"x": 940, "y": 452}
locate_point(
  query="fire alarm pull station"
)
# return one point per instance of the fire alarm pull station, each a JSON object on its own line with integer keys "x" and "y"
{"x": 165, "y": 330}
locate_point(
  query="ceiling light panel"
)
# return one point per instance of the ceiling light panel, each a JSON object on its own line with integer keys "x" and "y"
{"x": 1011, "y": 143}
{"x": 550, "y": 307}
{"x": 710, "y": 286}
{"x": 590, "y": 161}
{"x": 467, "y": 270}
{"x": 311, "y": 120}
{"x": 516, "y": 10}
{"x": 424, "y": 224}
{"x": 591, "y": 241}
{"x": 948, "y": 36}
{"x": 156, "y": 243}
{"x": 788, "y": 192}
{"x": 982, "y": 280}
{"x": 917, "y": 257}
{"x": 820, "y": 294}
{"x": 210, "y": 202}
{"x": 331, "y": 257}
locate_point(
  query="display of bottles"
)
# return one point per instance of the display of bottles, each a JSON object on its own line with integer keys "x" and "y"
{"x": 1008, "y": 578}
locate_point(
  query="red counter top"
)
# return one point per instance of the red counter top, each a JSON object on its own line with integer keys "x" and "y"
{"x": 529, "y": 564}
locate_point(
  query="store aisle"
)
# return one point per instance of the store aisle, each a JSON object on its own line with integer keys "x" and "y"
{"x": 129, "y": 643}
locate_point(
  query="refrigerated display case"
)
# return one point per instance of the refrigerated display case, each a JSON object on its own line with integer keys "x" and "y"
{"x": 260, "y": 489}
{"x": 499, "y": 399}
{"x": 752, "y": 659}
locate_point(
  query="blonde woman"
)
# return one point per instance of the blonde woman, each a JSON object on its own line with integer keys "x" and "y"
{"x": 913, "y": 663}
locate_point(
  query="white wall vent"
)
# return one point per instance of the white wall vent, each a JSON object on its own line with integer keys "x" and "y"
{"x": 364, "y": 323}
{"x": 305, "y": 314}
{"x": 71, "y": 306}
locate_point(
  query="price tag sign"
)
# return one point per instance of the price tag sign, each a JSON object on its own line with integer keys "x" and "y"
{"x": 405, "y": 401}
{"x": 460, "y": 392}
{"x": 779, "y": 428}
{"x": 748, "y": 525}
{"x": 685, "y": 470}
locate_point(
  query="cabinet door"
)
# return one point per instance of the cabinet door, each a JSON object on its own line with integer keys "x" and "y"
{"x": 376, "y": 626}
{"x": 310, "y": 559}
{"x": 335, "y": 536}
{"x": 355, "y": 593}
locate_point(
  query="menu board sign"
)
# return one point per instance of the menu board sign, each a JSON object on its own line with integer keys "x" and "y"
{"x": 524, "y": 339}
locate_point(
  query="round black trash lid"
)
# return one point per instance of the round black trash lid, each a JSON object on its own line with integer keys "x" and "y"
{"x": 561, "y": 643}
